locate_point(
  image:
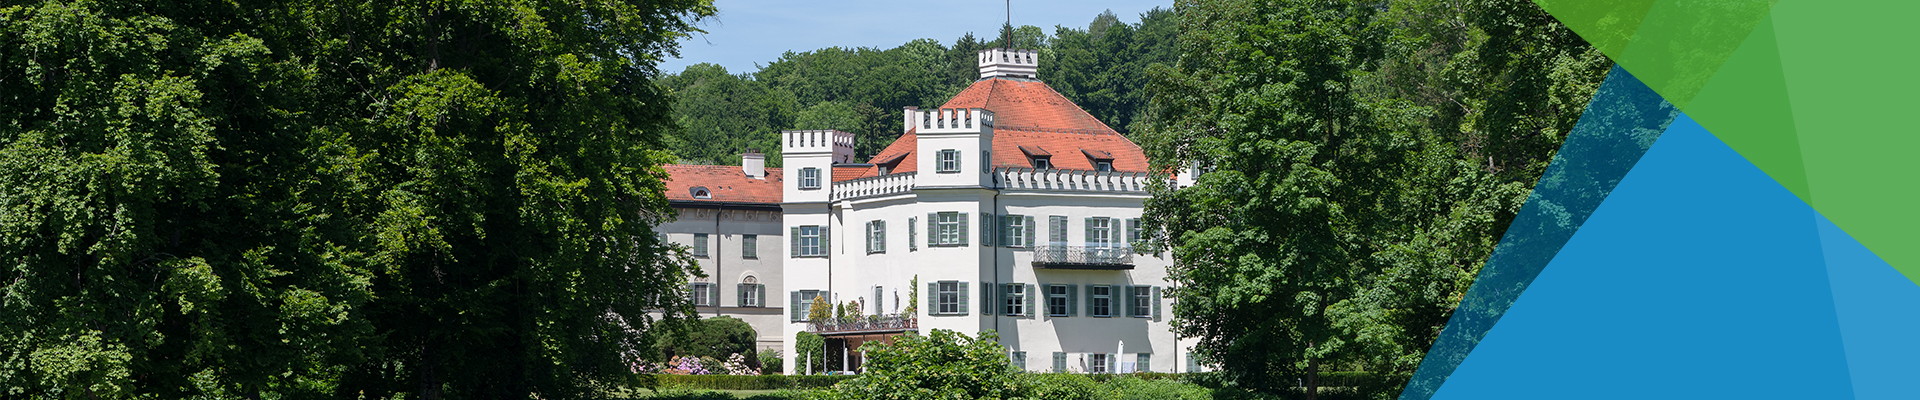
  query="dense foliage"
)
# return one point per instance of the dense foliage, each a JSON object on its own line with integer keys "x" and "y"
{"x": 861, "y": 90}
{"x": 1360, "y": 161}
{"x": 332, "y": 199}
{"x": 718, "y": 338}
{"x": 942, "y": 364}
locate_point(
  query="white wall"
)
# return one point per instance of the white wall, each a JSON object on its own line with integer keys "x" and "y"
{"x": 725, "y": 265}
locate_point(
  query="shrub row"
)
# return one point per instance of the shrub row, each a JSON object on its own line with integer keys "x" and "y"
{"x": 746, "y": 382}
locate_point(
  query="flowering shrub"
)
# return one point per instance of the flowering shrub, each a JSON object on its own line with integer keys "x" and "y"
{"x": 685, "y": 366}
{"x": 737, "y": 365}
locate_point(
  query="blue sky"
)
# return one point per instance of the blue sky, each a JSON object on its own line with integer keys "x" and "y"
{"x": 757, "y": 31}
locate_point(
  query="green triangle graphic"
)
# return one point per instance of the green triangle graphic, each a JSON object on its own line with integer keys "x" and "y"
{"x": 1745, "y": 105}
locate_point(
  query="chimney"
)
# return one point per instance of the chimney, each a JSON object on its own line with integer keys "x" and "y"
{"x": 754, "y": 164}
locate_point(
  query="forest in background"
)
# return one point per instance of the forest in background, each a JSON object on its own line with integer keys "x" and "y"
{"x": 1101, "y": 66}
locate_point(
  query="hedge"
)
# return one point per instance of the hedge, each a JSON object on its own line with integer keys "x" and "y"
{"x": 746, "y": 382}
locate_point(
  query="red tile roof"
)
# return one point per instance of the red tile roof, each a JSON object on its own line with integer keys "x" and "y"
{"x": 1029, "y": 116}
{"x": 845, "y": 172}
{"x": 726, "y": 183}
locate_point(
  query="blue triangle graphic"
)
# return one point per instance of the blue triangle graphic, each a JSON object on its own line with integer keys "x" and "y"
{"x": 1879, "y": 312}
{"x": 1698, "y": 277}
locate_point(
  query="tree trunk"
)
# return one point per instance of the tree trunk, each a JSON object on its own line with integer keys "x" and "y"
{"x": 1313, "y": 379}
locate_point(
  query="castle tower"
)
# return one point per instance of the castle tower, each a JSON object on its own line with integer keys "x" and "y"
{"x": 808, "y": 157}
{"x": 955, "y": 146}
{"x": 1006, "y": 63}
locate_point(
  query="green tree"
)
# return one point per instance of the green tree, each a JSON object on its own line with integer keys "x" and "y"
{"x": 940, "y": 365}
{"x": 820, "y": 311}
{"x": 1340, "y": 215}
{"x": 323, "y": 199}
{"x": 722, "y": 115}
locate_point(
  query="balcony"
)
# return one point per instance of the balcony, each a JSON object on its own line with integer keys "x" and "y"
{"x": 1081, "y": 257}
{"x": 865, "y": 324}
{"x": 1070, "y": 180}
{"x": 873, "y": 186}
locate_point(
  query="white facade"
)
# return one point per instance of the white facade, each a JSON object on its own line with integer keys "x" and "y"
{"x": 1055, "y": 201}
{"x": 740, "y": 283}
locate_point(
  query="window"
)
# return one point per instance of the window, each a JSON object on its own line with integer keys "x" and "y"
{"x": 1100, "y": 302}
{"x": 949, "y": 300}
{"x": 1015, "y": 298}
{"x": 752, "y": 293}
{"x": 885, "y": 170}
{"x": 749, "y": 246}
{"x": 1016, "y": 230}
{"x": 1097, "y": 363}
{"x": 1057, "y": 300}
{"x": 699, "y": 245}
{"x": 1099, "y": 232}
{"x": 1017, "y": 359}
{"x": 947, "y": 229}
{"x": 702, "y": 294}
{"x": 913, "y": 234}
{"x": 949, "y": 161}
{"x": 1057, "y": 230}
{"x": 1103, "y": 166}
{"x": 876, "y": 237}
{"x": 809, "y": 178}
{"x": 1193, "y": 364}
{"x": 1059, "y": 362}
{"x": 1142, "y": 301}
{"x": 809, "y": 241}
{"x": 800, "y": 303}
{"x": 1143, "y": 362}
{"x": 1042, "y": 163}
{"x": 986, "y": 161}
{"x": 701, "y": 192}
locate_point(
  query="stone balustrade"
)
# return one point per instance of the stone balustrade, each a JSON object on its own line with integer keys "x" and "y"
{"x": 1074, "y": 180}
{"x": 873, "y": 186}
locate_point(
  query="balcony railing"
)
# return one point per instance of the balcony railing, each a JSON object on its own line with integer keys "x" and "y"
{"x": 1082, "y": 257}
{"x": 866, "y": 324}
{"x": 1075, "y": 180}
{"x": 873, "y": 186}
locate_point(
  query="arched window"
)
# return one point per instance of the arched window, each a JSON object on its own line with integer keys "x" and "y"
{"x": 701, "y": 192}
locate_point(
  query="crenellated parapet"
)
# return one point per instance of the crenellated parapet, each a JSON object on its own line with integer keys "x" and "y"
{"x": 949, "y": 120}
{"x": 1009, "y": 63}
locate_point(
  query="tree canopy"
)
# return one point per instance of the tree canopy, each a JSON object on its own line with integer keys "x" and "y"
{"x": 1358, "y": 165}
{"x": 326, "y": 199}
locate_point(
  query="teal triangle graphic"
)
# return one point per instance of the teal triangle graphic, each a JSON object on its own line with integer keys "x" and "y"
{"x": 1699, "y": 277}
{"x": 1622, "y": 121}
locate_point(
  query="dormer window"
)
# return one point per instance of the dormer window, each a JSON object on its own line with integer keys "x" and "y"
{"x": 1042, "y": 163}
{"x": 1101, "y": 159}
{"x": 1040, "y": 158}
{"x": 701, "y": 192}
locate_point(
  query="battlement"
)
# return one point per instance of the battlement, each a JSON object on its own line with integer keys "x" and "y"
{"x": 949, "y": 120}
{"x": 1009, "y": 63}
{"x": 815, "y": 141}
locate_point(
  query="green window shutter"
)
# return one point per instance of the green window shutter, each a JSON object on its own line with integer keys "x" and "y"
{"x": 1143, "y": 362}
{"x": 932, "y": 305}
{"x": 740, "y": 292}
{"x": 794, "y": 309}
{"x": 986, "y": 230}
{"x": 1156, "y": 303}
{"x": 761, "y": 291}
{"x": 986, "y": 298}
{"x": 963, "y": 229}
{"x": 1088, "y": 227}
{"x": 1032, "y": 299}
{"x": 713, "y": 294}
{"x": 1129, "y": 301}
{"x": 1073, "y": 300}
{"x": 964, "y": 294}
{"x": 1133, "y": 231}
{"x": 1059, "y": 362}
{"x": 793, "y": 242}
{"x": 825, "y": 249}
{"x": 913, "y": 235}
{"x": 869, "y": 236}
{"x": 1029, "y": 232}
{"x": 933, "y": 229}
{"x": 881, "y": 237}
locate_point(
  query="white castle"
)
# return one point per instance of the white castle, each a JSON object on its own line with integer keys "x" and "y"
{"x": 1014, "y": 209}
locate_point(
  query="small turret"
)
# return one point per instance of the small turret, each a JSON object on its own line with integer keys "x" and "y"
{"x": 1005, "y": 63}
